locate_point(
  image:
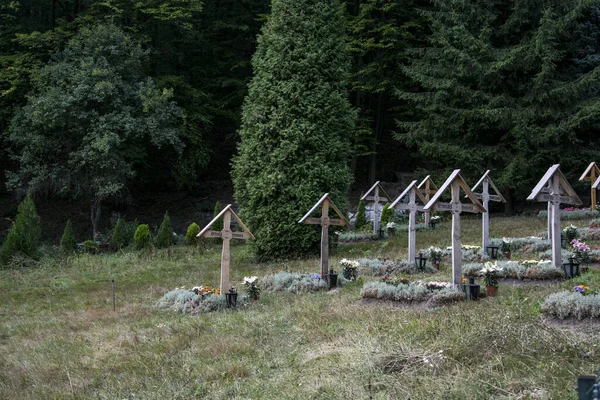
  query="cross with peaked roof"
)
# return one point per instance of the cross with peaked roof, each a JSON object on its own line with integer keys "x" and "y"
{"x": 427, "y": 189}
{"x": 376, "y": 199}
{"x": 226, "y": 234}
{"x": 455, "y": 182}
{"x": 592, "y": 174}
{"x": 413, "y": 193}
{"x": 596, "y": 184}
{"x": 325, "y": 202}
{"x": 485, "y": 197}
{"x": 555, "y": 189}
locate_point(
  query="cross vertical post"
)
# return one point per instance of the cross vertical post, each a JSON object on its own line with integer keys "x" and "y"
{"x": 556, "y": 232}
{"x": 485, "y": 217}
{"x": 591, "y": 174}
{"x": 456, "y": 236}
{"x": 325, "y": 238}
{"x": 377, "y": 217}
{"x": 412, "y": 227}
{"x": 225, "y": 254}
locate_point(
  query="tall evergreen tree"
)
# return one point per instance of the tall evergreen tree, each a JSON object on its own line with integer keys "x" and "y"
{"x": 296, "y": 124}
{"x": 504, "y": 86}
{"x": 67, "y": 241}
{"x": 24, "y": 235}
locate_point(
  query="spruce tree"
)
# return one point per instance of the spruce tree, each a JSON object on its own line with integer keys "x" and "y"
{"x": 361, "y": 215}
{"x": 165, "y": 233}
{"x": 296, "y": 126}
{"x": 118, "y": 239}
{"x": 24, "y": 235}
{"x": 218, "y": 225}
{"x": 67, "y": 241}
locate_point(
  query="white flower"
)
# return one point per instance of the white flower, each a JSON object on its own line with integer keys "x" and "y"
{"x": 434, "y": 218}
{"x": 391, "y": 225}
{"x": 250, "y": 280}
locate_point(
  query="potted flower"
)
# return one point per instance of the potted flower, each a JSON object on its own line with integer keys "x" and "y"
{"x": 570, "y": 234}
{"x": 582, "y": 253}
{"x": 505, "y": 247}
{"x": 391, "y": 228}
{"x": 349, "y": 268}
{"x": 435, "y": 255}
{"x": 252, "y": 288}
{"x": 490, "y": 274}
{"x": 433, "y": 221}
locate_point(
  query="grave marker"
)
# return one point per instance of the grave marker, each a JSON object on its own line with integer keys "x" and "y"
{"x": 555, "y": 189}
{"x": 485, "y": 198}
{"x": 325, "y": 202}
{"x": 412, "y": 207}
{"x": 596, "y": 184}
{"x": 592, "y": 174}
{"x": 226, "y": 234}
{"x": 427, "y": 189}
{"x": 455, "y": 182}
{"x": 376, "y": 199}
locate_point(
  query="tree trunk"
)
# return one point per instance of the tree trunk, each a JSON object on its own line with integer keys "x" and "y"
{"x": 95, "y": 212}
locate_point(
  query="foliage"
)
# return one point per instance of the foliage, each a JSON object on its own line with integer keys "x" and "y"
{"x": 118, "y": 240}
{"x": 435, "y": 254}
{"x": 190, "y": 235}
{"x": 572, "y": 304}
{"x": 382, "y": 290}
{"x": 142, "y": 239}
{"x": 90, "y": 247}
{"x": 380, "y": 267}
{"x": 24, "y": 235}
{"x": 568, "y": 215}
{"x": 296, "y": 126}
{"x": 387, "y": 214}
{"x": 218, "y": 225}
{"x": 252, "y": 288}
{"x": 294, "y": 282}
{"x": 529, "y": 269}
{"x": 491, "y": 273}
{"x": 196, "y": 301}
{"x": 349, "y": 269}
{"x": 91, "y": 120}
{"x": 361, "y": 216}
{"x": 165, "y": 233}
{"x": 67, "y": 241}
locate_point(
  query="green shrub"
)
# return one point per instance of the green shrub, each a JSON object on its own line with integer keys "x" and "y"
{"x": 90, "y": 247}
{"x": 190, "y": 236}
{"x": 142, "y": 238}
{"x": 24, "y": 235}
{"x": 67, "y": 242}
{"x": 572, "y": 304}
{"x": 387, "y": 215}
{"x": 165, "y": 233}
{"x": 188, "y": 302}
{"x": 294, "y": 282}
{"x": 118, "y": 239}
{"x": 218, "y": 225}
{"x": 361, "y": 216}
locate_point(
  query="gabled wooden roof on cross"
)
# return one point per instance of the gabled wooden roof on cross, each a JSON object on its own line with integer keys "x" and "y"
{"x": 455, "y": 177}
{"x": 497, "y": 197}
{"x": 426, "y": 186}
{"x": 307, "y": 220}
{"x": 385, "y": 197}
{"x": 592, "y": 169}
{"x": 412, "y": 186}
{"x": 206, "y": 232}
{"x": 541, "y": 191}
{"x": 596, "y": 184}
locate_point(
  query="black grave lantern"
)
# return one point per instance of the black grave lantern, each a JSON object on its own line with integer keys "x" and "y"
{"x": 420, "y": 261}
{"x": 492, "y": 251}
{"x": 571, "y": 268}
{"x": 231, "y": 298}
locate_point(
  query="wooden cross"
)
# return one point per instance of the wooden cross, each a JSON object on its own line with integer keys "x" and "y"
{"x": 376, "y": 199}
{"x": 549, "y": 189}
{"x": 412, "y": 207}
{"x": 455, "y": 182}
{"x": 226, "y": 234}
{"x": 596, "y": 184}
{"x": 485, "y": 197}
{"x": 325, "y": 202}
{"x": 591, "y": 174}
{"x": 427, "y": 189}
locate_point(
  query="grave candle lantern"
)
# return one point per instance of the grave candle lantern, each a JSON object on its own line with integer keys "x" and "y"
{"x": 420, "y": 261}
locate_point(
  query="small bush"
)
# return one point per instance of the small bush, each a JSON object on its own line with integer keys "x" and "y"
{"x": 67, "y": 241}
{"x": 218, "y": 225}
{"x": 165, "y": 233}
{"x": 572, "y": 304}
{"x": 118, "y": 240}
{"x": 188, "y": 302}
{"x": 387, "y": 215}
{"x": 24, "y": 235}
{"x": 142, "y": 238}
{"x": 515, "y": 270}
{"x": 190, "y": 235}
{"x": 361, "y": 216}
{"x": 380, "y": 267}
{"x": 90, "y": 247}
{"x": 381, "y": 290}
{"x": 294, "y": 282}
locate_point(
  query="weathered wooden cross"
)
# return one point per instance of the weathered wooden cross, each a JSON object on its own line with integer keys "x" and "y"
{"x": 596, "y": 184}
{"x": 455, "y": 182}
{"x": 427, "y": 189}
{"x": 555, "y": 189}
{"x": 226, "y": 234}
{"x": 376, "y": 199}
{"x": 412, "y": 207}
{"x": 485, "y": 198}
{"x": 591, "y": 174}
{"x": 325, "y": 202}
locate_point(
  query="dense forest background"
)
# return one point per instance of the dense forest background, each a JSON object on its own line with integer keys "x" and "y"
{"x": 502, "y": 85}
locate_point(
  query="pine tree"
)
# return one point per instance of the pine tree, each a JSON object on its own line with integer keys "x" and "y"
{"x": 67, "y": 241}
{"x": 361, "y": 215}
{"x": 118, "y": 239}
{"x": 165, "y": 233}
{"x": 24, "y": 235}
{"x": 296, "y": 125}
{"x": 218, "y": 225}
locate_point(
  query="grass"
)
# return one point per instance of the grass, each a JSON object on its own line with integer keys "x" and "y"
{"x": 59, "y": 337}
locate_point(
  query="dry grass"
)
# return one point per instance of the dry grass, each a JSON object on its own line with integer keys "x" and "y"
{"x": 59, "y": 337}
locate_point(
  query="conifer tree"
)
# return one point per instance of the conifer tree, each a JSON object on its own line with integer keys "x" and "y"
{"x": 67, "y": 241}
{"x": 118, "y": 239}
{"x": 190, "y": 236}
{"x": 361, "y": 215}
{"x": 24, "y": 235}
{"x": 296, "y": 126}
{"x": 165, "y": 233}
{"x": 387, "y": 215}
{"x": 218, "y": 225}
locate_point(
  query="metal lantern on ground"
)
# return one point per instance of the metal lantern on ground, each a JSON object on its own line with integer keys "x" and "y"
{"x": 231, "y": 297}
{"x": 331, "y": 278}
{"x": 492, "y": 251}
{"x": 420, "y": 261}
{"x": 432, "y": 224}
{"x": 474, "y": 291}
{"x": 571, "y": 268}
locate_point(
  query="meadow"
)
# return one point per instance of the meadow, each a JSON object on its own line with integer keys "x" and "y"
{"x": 60, "y": 339}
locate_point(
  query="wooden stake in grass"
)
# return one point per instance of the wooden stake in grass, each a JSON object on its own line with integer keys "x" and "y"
{"x": 455, "y": 182}
{"x": 592, "y": 175}
{"x": 226, "y": 234}
{"x": 413, "y": 192}
{"x": 325, "y": 202}
{"x": 375, "y": 199}
{"x": 428, "y": 188}
{"x": 555, "y": 189}
{"x": 485, "y": 198}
